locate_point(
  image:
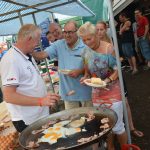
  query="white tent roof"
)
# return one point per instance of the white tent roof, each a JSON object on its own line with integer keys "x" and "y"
{"x": 9, "y": 16}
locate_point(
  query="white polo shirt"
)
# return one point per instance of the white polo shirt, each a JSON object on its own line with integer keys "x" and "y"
{"x": 16, "y": 69}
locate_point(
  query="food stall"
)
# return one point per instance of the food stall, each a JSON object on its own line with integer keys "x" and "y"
{"x": 25, "y": 9}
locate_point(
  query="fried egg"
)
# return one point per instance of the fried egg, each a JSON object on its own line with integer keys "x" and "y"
{"x": 51, "y": 138}
{"x": 57, "y": 130}
{"x": 71, "y": 131}
{"x": 52, "y": 134}
{"x": 62, "y": 123}
{"x": 77, "y": 123}
{"x": 54, "y": 129}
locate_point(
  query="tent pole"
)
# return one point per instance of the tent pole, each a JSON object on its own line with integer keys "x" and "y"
{"x": 34, "y": 19}
{"x": 49, "y": 76}
{"x": 112, "y": 24}
{"x": 20, "y": 18}
{"x": 52, "y": 17}
{"x": 46, "y": 64}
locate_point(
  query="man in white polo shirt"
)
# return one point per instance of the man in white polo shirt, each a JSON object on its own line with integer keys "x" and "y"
{"x": 23, "y": 88}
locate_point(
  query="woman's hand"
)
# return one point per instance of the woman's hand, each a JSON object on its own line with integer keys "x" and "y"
{"x": 83, "y": 78}
{"x": 107, "y": 80}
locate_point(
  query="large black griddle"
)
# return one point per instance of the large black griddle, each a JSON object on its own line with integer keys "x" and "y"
{"x": 92, "y": 128}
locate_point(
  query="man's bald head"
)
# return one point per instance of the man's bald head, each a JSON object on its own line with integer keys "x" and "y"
{"x": 56, "y": 31}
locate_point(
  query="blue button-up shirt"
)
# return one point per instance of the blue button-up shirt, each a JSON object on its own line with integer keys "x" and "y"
{"x": 70, "y": 59}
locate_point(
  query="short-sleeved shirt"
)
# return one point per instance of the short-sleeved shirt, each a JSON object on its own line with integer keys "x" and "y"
{"x": 102, "y": 65}
{"x": 70, "y": 59}
{"x": 141, "y": 23}
{"x": 17, "y": 70}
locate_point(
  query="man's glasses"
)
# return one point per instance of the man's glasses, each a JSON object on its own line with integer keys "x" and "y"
{"x": 69, "y": 32}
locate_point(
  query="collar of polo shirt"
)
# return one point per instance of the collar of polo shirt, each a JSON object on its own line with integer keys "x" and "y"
{"x": 25, "y": 56}
{"x": 77, "y": 42}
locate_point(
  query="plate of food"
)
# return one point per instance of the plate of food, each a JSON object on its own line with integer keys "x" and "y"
{"x": 95, "y": 82}
{"x": 65, "y": 71}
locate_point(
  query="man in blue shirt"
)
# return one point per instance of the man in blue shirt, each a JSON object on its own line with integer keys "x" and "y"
{"x": 68, "y": 52}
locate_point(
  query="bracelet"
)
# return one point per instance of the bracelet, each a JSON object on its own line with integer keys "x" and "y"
{"x": 110, "y": 79}
{"x": 40, "y": 101}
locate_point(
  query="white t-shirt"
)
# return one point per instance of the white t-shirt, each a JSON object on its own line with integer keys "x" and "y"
{"x": 16, "y": 69}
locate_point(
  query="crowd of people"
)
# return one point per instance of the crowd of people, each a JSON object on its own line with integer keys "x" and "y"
{"x": 135, "y": 40}
{"x": 88, "y": 52}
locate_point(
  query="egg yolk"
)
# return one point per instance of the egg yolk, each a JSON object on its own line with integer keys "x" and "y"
{"x": 59, "y": 135}
{"x": 50, "y": 129}
{"x": 57, "y": 129}
{"x": 53, "y": 134}
{"x": 47, "y": 135}
{"x": 54, "y": 139}
{"x": 78, "y": 129}
{"x": 58, "y": 124}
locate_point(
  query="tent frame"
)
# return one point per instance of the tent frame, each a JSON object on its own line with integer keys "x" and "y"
{"x": 26, "y": 7}
{"x": 34, "y": 7}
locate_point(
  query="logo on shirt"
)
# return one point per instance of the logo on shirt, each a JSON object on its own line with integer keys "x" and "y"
{"x": 11, "y": 79}
{"x": 29, "y": 68}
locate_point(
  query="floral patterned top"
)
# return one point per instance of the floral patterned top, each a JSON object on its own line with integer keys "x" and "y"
{"x": 102, "y": 66}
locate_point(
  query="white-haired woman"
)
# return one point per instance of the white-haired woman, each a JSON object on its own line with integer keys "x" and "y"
{"x": 102, "y": 65}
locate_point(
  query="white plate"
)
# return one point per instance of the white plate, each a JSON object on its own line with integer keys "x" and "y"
{"x": 87, "y": 82}
{"x": 65, "y": 71}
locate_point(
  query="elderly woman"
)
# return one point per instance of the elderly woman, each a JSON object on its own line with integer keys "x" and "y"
{"x": 103, "y": 66}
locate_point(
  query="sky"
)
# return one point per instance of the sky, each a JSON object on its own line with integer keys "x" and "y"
{"x": 62, "y": 17}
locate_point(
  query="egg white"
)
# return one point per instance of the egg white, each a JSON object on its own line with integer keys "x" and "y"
{"x": 52, "y": 134}
{"x": 62, "y": 123}
{"x": 71, "y": 131}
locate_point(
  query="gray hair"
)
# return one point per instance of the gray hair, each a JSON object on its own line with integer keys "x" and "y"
{"x": 72, "y": 22}
{"x": 28, "y": 30}
{"x": 54, "y": 24}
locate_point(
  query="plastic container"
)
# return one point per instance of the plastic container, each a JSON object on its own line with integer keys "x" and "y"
{"x": 130, "y": 147}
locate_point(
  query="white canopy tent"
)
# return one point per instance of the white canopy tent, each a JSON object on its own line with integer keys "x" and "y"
{"x": 14, "y": 11}
{"x": 19, "y": 10}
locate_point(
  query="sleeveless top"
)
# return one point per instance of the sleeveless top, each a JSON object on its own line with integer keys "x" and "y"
{"x": 127, "y": 36}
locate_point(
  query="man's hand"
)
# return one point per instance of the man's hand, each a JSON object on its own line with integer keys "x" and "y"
{"x": 39, "y": 55}
{"x": 13, "y": 97}
{"x": 137, "y": 39}
{"x": 144, "y": 37}
{"x": 75, "y": 73}
{"x": 50, "y": 100}
{"x": 120, "y": 33}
